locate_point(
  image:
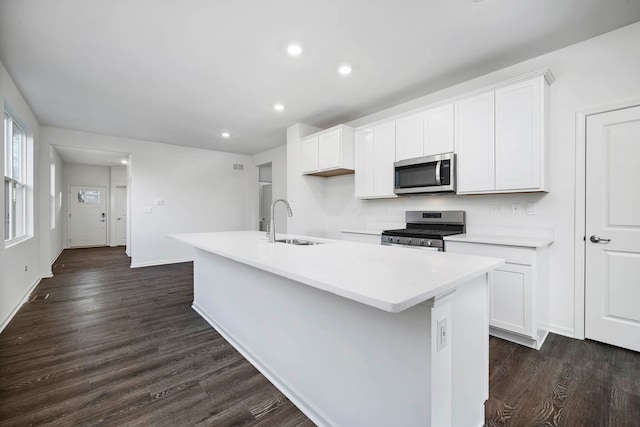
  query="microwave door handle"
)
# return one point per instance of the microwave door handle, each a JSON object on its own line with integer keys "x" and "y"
{"x": 438, "y": 181}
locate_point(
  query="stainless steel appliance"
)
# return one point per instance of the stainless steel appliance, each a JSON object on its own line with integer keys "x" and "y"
{"x": 426, "y": 229}
{"x": 431, "y": 174}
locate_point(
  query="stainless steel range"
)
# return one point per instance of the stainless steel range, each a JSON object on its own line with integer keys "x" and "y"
{"x": 426, "y": 229}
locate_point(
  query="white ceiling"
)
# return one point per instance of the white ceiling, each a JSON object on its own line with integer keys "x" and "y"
{"x": 81, "y": 156}
{"x": 184, "y": 71}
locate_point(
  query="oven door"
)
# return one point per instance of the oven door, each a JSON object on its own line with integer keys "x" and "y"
{"x": 436, "y": 244}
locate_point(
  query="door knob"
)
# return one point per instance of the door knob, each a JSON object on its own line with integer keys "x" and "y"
{"x": 597, "y": 239}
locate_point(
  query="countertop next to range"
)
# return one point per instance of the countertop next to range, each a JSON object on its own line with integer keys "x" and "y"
{"x": 388, "y": 278}
{"x": 503, "y": 240}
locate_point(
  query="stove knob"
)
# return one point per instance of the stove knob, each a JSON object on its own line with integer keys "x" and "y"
{"x": 408, "y": 241}
{"x": 397, "y": 240}
{"x": 422, "y": 242}
{"x": 429, "y": 243}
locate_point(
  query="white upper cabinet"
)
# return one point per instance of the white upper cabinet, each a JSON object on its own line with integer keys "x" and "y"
{"x": 438, "y": 130}
{"x": 409, "y": 137}
{"x": 375, "y": 148}
{"x": 501, "y": 138}
{"x": 520, "y": 136}
{"x": 425, "y": 134}
{"x": 475, "y": 143}
{"x": 328, "y": 153}
{"x": 309, "y": 154}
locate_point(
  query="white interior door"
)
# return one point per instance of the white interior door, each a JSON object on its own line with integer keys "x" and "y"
{"x": 87, "y": 223}
{"x": 121, "y": 215}
{"x": 612, "y": 308}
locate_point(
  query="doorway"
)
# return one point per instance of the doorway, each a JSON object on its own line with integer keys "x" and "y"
{"x": 265, "y": 195}
{"x": 87, "y": 220}
{"x": 612, "y": 228}
{"x": 121, "y": 215}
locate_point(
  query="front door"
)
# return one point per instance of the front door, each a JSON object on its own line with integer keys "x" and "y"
{"x": 87, "y": 224}
{"x": 612, "y": 300}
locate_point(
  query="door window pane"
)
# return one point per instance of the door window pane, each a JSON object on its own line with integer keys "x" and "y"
{"x": 91, "y": 197}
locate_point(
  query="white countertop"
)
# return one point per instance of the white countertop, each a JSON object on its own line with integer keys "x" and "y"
{"x": 363, "y": 231}
{"x": 531, "y": 242}
{"x": 389, "y": 278}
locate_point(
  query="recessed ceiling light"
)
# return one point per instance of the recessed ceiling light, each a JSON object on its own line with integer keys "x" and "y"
{"x": 345, "y": 70}
{"x": 278, "y": 107}
{"x": 123, "y": 161}
{"x": 225, "y": 134}
{"x": 294, "y": 49}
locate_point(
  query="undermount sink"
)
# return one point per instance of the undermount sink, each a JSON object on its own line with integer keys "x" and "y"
{"x": 298, "y": 242}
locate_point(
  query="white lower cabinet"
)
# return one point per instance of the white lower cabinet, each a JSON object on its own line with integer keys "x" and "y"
{"x": 518, "y": 291}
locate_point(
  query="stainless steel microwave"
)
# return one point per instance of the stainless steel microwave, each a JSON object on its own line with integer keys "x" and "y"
{"x": 431, "y": 174}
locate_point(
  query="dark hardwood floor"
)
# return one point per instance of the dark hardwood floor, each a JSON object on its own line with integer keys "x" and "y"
{"x": 118, "y": 346}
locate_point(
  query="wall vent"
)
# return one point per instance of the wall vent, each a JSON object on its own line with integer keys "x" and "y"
{"x": 238, "y": 166}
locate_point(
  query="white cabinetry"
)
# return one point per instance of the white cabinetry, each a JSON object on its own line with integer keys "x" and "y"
{"x": 426, "y": 133}
{"x": 439, "y": 130}
{"x": 409, "y": 137}
{"x": 501, "y": 139}
{"x": 374, "y": 152}
{"x": 475, "y": 143}
{"x": 328, "y": 153}
{"x": 518, "y": 291}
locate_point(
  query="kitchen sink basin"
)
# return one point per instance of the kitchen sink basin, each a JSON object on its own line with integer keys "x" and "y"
{"x": 298, "y": 242}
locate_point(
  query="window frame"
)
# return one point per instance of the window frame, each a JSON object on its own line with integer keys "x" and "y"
{"x": 16, "y": 229}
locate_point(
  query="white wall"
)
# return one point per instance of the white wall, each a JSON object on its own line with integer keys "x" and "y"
{"x": 597, "y": 72}
{"x": 86, "y": 175}
{"x": 200, "y": 189}
{"x": 56, "y": 233}
{"x": 15, "y": 282}
{"x": 278, "y": 159}
{"x": 306, "y": 194}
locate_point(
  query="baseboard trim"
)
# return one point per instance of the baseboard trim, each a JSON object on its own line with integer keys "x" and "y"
{"x": 163, "y": 262}
{"x": 562, "y": 330}
{"x": 55, "y": 258}
{"x": 313, "y": 413}
{"x": 19, "y": 306}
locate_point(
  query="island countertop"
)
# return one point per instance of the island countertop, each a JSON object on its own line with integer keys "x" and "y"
{"x": 388, "y": 278}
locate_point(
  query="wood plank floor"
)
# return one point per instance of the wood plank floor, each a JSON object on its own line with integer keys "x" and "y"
{"x": 118, "y": 346}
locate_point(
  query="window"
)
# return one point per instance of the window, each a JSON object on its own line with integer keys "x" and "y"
{"x": 15, "y": 179}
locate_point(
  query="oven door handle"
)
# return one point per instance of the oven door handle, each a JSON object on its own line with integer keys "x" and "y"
{"x": 438, "y": 180}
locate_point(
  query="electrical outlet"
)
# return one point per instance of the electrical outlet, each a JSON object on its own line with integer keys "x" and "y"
{"x": 493, "y": 209}
{"x": 531, "y": 208}
{"x": 26, "y": 267}
{"x": 515, "y": 209}
{"x": 442, "y": 334}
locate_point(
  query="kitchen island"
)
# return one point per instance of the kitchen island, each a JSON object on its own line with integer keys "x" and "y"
{"x": 353, "y": 334}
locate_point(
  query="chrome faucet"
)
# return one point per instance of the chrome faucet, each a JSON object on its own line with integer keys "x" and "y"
{"x": 272, "y": 224}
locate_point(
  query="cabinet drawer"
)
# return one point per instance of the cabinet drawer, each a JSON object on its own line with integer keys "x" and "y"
{"x": 511, "y": 254}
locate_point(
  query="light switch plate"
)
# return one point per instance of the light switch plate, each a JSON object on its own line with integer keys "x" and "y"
{"x": 531, "y": 208}
{"x": 515, "y": 209}
{"x": 442, "y": 334}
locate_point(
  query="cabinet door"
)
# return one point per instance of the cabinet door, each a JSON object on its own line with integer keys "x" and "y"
{"x": 438, "y": 130}
{"x": 409, "y": 134}
{"x": 519, "y": 136}
{"x": 330, "y": 150}
{"x": 364, "y": 163}
{"x": 385, "y": 143}
{"x": 309, "y": 154}
{"x": 475, "y": 134}
{"x": 511, "y": 299}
